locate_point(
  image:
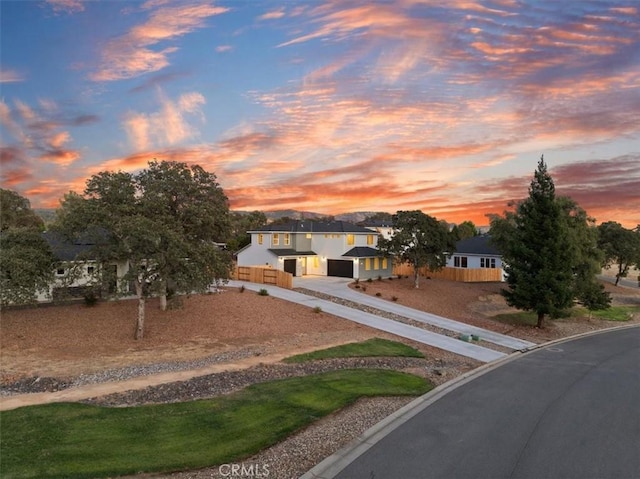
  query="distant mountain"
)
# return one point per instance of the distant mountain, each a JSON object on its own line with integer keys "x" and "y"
{"x": 47, "y": 214}
{"x": 353, "y": 217}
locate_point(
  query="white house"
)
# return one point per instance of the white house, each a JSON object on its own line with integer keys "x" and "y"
{"x": 383, "y": 228}
{"x": 304, "y": 247}
{"x": 476, "y": 252}
{"x": 75, "y": 277}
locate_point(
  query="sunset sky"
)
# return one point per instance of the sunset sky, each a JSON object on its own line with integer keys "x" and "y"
{"x": 329, "y": 106}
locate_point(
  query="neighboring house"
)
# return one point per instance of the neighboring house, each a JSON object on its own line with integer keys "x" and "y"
{"x": 476, "y": 252}
{"x": 383, "y": 228}
{"x": 74, "y": 277}
{"x": 304, "y": 247}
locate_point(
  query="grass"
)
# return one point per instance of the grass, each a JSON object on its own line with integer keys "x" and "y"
{"x": 613, "y": 313}
{"x": 369, "y": 348}
{"x": 80, "y": 441}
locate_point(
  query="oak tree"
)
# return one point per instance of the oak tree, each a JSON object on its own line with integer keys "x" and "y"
{"x": 164, "y": 222}
{"x": 420, "y": 240}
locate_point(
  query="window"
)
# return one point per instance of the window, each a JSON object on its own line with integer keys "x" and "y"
{"x": 276, "y": 239}
{"x": 369, "y": 239}
{"x": 308, "y": 236}
{"x": 376, "y": 263}
{"x": 260, "y": 238}
{"x": 287, "y": 239}
{"x": 460, "y": 261}
{"x": 487, "y": 262}
{"x": 90, "y": 269}
{"x": 367, "y": 264}
{"x": 316, "y": 262}
{"x": 384, "y": 263}
{"x": 60, "y": 272}
{"x": 350, "y": 240}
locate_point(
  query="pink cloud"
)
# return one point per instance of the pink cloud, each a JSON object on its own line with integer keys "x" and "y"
{"x": 66, "y": 6}
{"x": 131, "y": 54}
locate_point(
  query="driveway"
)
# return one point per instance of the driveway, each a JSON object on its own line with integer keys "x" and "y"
{"x": 377, "y": 322}
{"x": 568, "y": 410}
{"x": 338, "y": 287}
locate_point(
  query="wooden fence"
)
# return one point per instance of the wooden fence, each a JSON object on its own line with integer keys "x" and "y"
{"x": 464, "y": 275}
{"x": 264, "y": 275}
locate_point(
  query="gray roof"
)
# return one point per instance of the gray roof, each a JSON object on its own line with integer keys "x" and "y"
{"x": 362, "y": 252}
{"x": 308, "y": 226}
{"x": 65, "y": 249}
{"x": 290, "y": 252}
{"x": 480, "y": 245}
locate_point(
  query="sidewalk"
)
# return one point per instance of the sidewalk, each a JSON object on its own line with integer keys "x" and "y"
{"x": 387, "y": 325}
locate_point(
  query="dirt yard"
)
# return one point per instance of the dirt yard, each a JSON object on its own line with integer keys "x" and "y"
{"x": 58, "y": 341}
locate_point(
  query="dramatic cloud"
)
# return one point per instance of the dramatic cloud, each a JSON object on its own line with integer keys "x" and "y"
{"x": 131, "y": 54}
{"x": 167, "y": 126}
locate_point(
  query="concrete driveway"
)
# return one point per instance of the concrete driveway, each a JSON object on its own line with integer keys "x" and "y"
{"x": 338, "y": 287}
{"x": 377, "y": 322}
{"x": 570, "y": 410}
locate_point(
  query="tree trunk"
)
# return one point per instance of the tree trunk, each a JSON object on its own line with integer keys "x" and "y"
{"x": 140, "y": 322}
{"x": 540, "y": 320}
{"x": 416, "y": 277}
{"x": 163, "y": 296}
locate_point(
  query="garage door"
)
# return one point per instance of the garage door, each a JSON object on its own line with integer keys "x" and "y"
{"x": 290, "y": 266}
{"x": 340, "y": 267}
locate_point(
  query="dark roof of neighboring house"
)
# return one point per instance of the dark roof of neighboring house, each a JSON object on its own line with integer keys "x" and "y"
{"x": 477, "y": 245}
{"x": 65, "y": 249}
{"x": 290, "y": 252}
{"x": 362, "y": 252}
{"x": 308, "y": 226}
{"x": 378, "y": 224}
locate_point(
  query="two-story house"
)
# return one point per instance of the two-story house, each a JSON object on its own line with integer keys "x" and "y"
{"x": 304, "y": 247}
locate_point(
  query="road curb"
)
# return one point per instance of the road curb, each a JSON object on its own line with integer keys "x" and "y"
{"x": 334, "y": 464}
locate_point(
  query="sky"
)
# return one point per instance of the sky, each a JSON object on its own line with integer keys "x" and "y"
{"x": 329, "y": 106}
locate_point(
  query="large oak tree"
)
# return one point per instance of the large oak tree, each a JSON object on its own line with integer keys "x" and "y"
{"x": 164, "y": 221}
{"x": 420, "y": 240}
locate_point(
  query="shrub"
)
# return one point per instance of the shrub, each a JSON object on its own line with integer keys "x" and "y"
{"x": 399, "y": 276}
{"x": 317, "y": 309}
{"x": 263, "y": 292}
{"x": 378, "y": 294}
{"x": 379, "y": 277}
{"x": 242, "y": 288}
{"x": 394, "y": 298}
{"x": 357, "y": 286}
{"x": 369, "y": 280}
{"x": 364, "y": 288}
{"x": 356, "y": 281}
{"x": 90, "y": 298}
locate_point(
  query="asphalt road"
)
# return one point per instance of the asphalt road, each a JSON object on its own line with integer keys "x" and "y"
{"x": 570, "y": 410}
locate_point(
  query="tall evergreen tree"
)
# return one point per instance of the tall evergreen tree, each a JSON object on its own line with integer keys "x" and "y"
{"x": 538, "y": 252}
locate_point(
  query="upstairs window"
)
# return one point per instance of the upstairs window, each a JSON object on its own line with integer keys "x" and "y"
{"x": 260, "y": 238}
{"x": 350, "y": 240}
{"x": 369, "y": 239}
{"x": 287, "y": 239}
{"x": 276, "y": 239}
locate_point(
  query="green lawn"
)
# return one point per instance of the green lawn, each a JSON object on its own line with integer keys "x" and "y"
{"x": 613, "y": 313}
{"x": 79, "y": 441}
{"x": 370, "y": 348}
